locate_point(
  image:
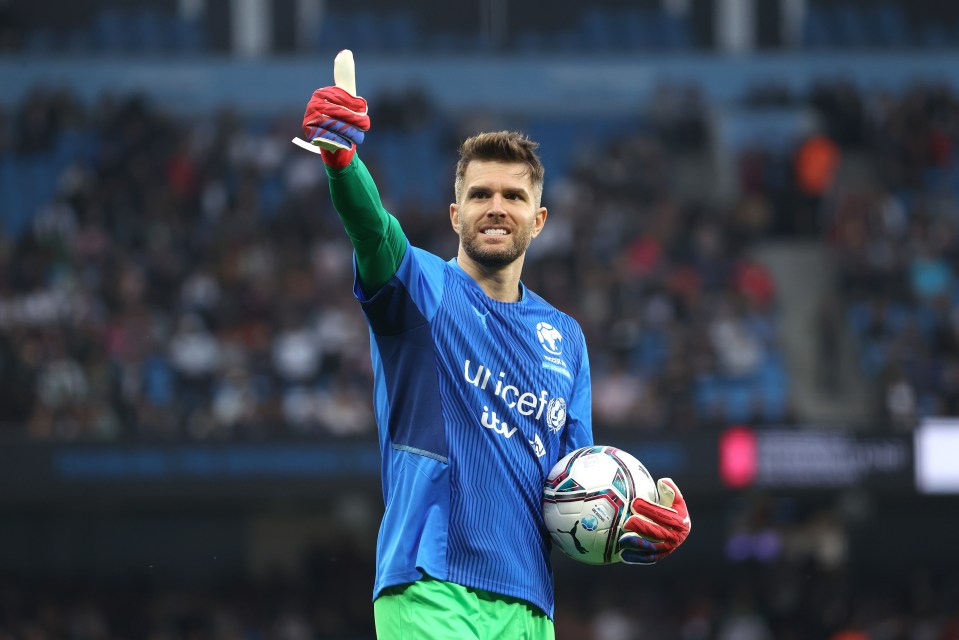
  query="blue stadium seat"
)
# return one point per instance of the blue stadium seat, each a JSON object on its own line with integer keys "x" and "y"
{"x": 11, "y": 195}
{"x": 333, "y": 33}
{"x": 186, "y": 36}
{"x": 554, "y": 149}
{"x": 706, "y": 395}
{"x": 399, "y": 32}
{"x": 151, "y": 34}
{"x": 39, "y": 180}
{"x": 738, "y": 402}
{"x": 934, "y": 178}
{"x": 872, "y": 358}
{"x": 366, "y": 31}
{"x": 111, "y": 32}
{"x": 773, "y": 388}
{"x": 675, "y": 32}
{"x": 897, "y": 317}
{"x": 270, "y": 194}
{"x": 857, "y": 318}
{"x": 928, "y": 405}
{"x": 925, "y": 317}
{"x": 851, "y": 30}
{"x": 158, "y": 381}
{"x": 889, "y": 26}
{"x": 651, "y": 352}
{"x": 388, "y": 147}
{"x": 603, "y": 30}
{"x": 772, "y": 373}
{"x": 642, "y": 32}
{"x": 817, "y": 30}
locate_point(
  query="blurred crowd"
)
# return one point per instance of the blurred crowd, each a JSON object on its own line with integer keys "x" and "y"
{"x": 175, "y": 285}
{"x": 187, "y": 277}
{"x": 878, "y": 181}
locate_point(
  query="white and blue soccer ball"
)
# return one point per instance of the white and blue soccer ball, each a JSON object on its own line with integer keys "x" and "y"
{"x": 586, "y": 501}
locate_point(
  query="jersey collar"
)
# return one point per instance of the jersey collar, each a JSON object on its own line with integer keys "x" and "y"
{"x": 458, "y": 270}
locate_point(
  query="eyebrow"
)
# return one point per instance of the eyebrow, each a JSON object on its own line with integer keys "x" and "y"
{"x": 509, "y": 191}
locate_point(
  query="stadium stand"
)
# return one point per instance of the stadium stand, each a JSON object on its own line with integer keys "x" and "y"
{"x": 179, "y": 279}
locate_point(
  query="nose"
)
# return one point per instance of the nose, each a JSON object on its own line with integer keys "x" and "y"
{"x": 496, "y": 205}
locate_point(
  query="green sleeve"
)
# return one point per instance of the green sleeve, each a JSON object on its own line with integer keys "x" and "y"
{"x": 378, "y": 239}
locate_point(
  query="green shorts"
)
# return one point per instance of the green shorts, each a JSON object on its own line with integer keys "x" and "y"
{"x": 431, "y": 609}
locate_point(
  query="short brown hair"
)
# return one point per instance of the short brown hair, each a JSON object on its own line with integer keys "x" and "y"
{"x": 502, "y": 146}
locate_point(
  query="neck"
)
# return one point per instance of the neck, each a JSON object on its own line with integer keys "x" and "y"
{"x": 499, "y": 283}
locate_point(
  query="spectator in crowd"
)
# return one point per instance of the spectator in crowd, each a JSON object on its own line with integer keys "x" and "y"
{"x": 119, "y": 259}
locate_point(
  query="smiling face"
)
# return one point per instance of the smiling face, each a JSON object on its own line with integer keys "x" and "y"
{"x": 498, "y": 213}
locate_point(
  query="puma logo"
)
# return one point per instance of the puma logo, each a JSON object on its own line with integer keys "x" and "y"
{"x": 481, "y": 316}
{"x": 576, "y": 543}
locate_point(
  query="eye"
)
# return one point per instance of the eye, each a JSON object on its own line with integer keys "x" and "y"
{"x": 479, "y": 194}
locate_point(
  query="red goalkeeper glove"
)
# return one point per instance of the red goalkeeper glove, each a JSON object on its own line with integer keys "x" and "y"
{"x": 655, "y": 530}
{"x": 336, "y": 119}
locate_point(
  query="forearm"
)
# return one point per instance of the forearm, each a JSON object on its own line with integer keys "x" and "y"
{"x": 377, "y": 238}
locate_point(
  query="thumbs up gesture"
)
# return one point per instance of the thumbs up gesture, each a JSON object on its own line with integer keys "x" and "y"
{"x": 335, "y": 118}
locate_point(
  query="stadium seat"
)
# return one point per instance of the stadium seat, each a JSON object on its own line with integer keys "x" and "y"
{"x": 851, "y": 30}
{"x": 706, "y": 395}
{"x": 111, "y": 33}
{"x": 651, "y": 352}
{"x": 642, "y": 32}
{"x": 399, "y": 32}
{"x": 187, "y": 36}
{"x": 11, "y": 197}
{"x": 817, "y": 31}
{"x": 602, "y": 31}
{"x": 675, "y": 33}
{"x": 774, "y": 403}
{"x": 150, "y": 32}
{"x": 738, "y": 402}
{"x": 889, "y": 26}
{"x": 365, "y": 30}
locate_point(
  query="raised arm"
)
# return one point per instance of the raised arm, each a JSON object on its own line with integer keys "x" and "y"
{"x": 335, "y": 121}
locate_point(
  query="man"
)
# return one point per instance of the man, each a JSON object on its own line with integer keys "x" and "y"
{"x": 480, "y": 387}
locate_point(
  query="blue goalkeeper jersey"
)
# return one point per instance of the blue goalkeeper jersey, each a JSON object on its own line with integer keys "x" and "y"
{"x": 475, "y": 401}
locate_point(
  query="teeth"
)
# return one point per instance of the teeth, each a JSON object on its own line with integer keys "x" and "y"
{"x": 495, "y": 232}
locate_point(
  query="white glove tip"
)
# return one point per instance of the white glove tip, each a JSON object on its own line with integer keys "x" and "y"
{"x": 344, "y": 71}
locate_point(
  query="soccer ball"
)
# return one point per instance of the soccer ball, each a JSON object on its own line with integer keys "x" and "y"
{"x": 587, "y": 498}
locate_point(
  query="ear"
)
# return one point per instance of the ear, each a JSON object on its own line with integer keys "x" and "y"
{"x": 455, "y": 217}
{"x": 539, "y": 221}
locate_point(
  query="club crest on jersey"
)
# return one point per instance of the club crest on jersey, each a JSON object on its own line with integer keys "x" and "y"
{"x": 552, "y": 342}
{"x": 556, "y": 414}
{"x": 550, "y": 338}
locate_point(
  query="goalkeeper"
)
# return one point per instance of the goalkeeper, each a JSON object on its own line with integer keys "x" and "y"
{"x": 480, "y": 386}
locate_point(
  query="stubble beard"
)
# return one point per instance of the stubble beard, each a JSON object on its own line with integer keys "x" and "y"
{"x": 496, "y": 257}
